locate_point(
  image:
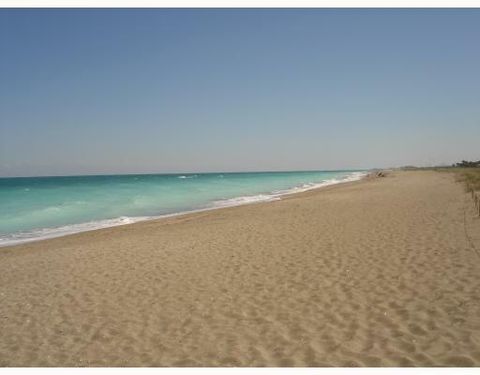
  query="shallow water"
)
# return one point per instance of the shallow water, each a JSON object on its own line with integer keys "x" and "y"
{"x": 42, "y": 207}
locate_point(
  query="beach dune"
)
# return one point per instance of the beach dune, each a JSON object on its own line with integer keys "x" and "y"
{"x": 379, "y": 272}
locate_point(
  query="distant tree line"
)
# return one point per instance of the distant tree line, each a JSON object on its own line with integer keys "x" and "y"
{"x": 468, "y": 164}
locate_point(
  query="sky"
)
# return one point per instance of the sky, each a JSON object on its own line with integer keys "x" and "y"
{"x": 106, "y": 91}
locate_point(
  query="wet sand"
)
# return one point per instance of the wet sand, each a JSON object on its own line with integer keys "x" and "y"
{"x": 380, "y": 272}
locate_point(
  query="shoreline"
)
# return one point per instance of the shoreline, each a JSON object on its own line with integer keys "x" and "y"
{"x": 127, "y": 220}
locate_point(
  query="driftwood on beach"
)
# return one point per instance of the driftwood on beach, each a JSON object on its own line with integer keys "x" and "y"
{"x": 377, "y": 173}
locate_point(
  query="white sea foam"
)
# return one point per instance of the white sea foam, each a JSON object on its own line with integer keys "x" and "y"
{"x": 354, "y": 176}
{"x": 276, "y": 195}
{"x": 40, "y": 234}
{"x": 245, "y": 200}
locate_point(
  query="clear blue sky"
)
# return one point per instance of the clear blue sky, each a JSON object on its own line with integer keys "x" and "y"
{"x": 157, "y": 90}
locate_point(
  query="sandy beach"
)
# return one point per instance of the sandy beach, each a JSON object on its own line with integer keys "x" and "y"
{"x": 379, "y": 272}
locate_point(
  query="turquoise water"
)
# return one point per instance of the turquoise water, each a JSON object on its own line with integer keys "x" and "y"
{"x": 41, "y": 207}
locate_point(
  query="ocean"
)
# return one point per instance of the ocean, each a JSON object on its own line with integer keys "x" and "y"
{"x": 33, "y": 208}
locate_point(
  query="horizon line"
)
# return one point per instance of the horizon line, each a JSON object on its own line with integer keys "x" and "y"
{"x": 188, "y": 173}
